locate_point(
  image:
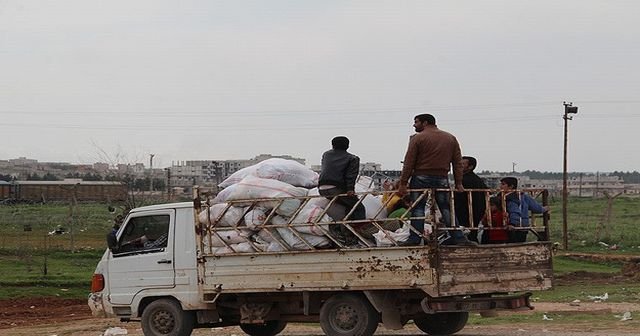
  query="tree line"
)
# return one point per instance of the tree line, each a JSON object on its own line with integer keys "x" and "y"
{"x": 627, "y": 177}
{"x": 132, "y": 182}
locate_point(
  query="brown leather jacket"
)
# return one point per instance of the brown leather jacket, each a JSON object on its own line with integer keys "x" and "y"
{"x": 431, "y": 152}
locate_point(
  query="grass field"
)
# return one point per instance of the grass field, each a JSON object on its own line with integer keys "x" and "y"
{"x": 586, "y": 226}
{"x": 89, "y": 224}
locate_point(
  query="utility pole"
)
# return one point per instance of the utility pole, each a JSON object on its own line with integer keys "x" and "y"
{"x": 151, "y": 173}
{"x": 568, "y": 109}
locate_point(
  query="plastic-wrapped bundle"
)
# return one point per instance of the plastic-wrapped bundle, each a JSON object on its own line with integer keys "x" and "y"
{"x": 400, "y": 235}
{"x": 255, "y": 218}
{"x": 269, "y": 239}
{"x": 296, "y": 244}
{"x": 288, "y": 171}
{"x": 222, "y": 196}
{"x": 235, "y": 248}
{"x": 317, "y": 200}
{"x": 231, "y": 217}
{"x": 230, "y": 236}
{"x": 252, "y": 187}
{"x": 307, "y": 215}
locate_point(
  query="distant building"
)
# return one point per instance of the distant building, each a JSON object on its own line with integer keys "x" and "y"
{"x": 595, "y": 185}
{"x": 101, "y": 168}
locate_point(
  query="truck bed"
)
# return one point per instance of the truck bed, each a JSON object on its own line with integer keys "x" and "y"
{"x": 441, "y": 271}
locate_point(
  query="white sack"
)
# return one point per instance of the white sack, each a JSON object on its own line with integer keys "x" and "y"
{"x": 270, "y": 236}
{"x": 222, "y": 196}
{"x": 373, "y": 204}
{"x": 275, "y": 247}
{"x": 317, "y": 200}
{"x": 400, "y": 235}
{"x": 288, "y": 171}
{"x": 237, "y": 248}
{"x": 252, "y": 187}
{"x": 296, "y": 244}
{"x": 228, "y": 236}
{"x": 238, "y": 176}
{"x": 231, "y": 217}
{"x": 255, "y": 218}
{"x": 307, "y": 216}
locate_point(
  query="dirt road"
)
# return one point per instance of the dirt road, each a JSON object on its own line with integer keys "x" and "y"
{"x": 60, "y": 317}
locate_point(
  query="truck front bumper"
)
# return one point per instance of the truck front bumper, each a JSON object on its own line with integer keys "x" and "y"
{"x": 97, "y": 305}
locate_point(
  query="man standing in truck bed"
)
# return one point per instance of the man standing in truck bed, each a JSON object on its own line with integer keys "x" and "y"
{"x": 430, "y": 154}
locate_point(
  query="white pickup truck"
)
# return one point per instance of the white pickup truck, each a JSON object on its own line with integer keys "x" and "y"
{"x": 165, "y": 273}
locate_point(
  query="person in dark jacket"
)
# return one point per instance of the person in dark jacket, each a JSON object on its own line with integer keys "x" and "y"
{"x": 337, "y": 177}
{"x": 478, "y": 201}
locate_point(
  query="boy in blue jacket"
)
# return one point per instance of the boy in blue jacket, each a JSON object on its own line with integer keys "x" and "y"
{"x": 519, "y": 206}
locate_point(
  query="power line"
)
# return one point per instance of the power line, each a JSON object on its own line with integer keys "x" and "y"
{"x": 350, "y": 109}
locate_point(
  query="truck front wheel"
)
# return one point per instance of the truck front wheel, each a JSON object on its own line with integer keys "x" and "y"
{"x": 268, "y": 328}
{"x": 442, "y": 323}
{"x": 165, "y": 317}
{"x": 348, "y": 315}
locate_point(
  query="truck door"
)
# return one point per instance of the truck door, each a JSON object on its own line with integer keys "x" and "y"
{"x": 144, "y": 256}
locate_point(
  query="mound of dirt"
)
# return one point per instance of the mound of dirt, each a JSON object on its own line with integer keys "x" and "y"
{"x": 632, "y": 270}
{"x": 33, "y": 311}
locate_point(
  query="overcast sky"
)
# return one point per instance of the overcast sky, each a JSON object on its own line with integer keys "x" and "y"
{"x": 86, "y": 81}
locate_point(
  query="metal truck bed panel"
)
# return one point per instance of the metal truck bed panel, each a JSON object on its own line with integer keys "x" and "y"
{"x": 482, "y": 269}
{"x": 362, "y": 269}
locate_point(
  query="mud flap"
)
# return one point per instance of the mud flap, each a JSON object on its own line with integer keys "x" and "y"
{"x": 384, "y": 302}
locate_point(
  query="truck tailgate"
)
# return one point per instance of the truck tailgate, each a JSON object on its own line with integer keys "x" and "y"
{"x": 494, "y": 268}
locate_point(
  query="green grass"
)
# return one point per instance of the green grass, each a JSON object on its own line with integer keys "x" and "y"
{"x": 586, "y": 226}
{"x": 68, "y": 274}
{"x": 89, "y": 224}
{"x": 92, "y": 221}
{"x": 13, "y": 292}
{"x": 563, "y": 265}
{"x": 628, "y": 292}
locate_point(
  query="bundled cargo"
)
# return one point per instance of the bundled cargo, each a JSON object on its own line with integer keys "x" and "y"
{"x": 288, "y": 171}
{"x": 271, "y": 209}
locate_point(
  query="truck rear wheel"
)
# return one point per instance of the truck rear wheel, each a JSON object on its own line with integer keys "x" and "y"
{"x": 442, "y": 323}
{"x": 348, "y": 315}
{"x": 165, "y": 317}
{"x": 269, "y": 328}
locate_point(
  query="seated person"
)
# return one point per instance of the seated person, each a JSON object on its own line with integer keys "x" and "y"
{"x": 390, "y": 198}
{"x": 496, "y": 232}
{"x": 150, "y": 240}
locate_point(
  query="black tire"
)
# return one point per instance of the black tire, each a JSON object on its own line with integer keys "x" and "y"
{"x": 442, "y": 323}
{"x": 269, "y": 328}
{"x": 348, "y": 315}
{"x": 165, "y": 317}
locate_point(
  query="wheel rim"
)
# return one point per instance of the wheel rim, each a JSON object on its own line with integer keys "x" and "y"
{"x": 163, "y": 321}
{"x": 345, "y": 318}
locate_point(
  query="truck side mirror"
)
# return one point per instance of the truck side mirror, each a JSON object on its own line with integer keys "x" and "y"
{"x": 112, "y": 242}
